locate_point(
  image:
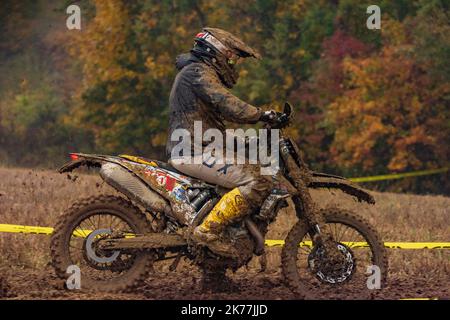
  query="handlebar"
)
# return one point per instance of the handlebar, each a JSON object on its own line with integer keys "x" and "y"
{"x": 282, "y": 120}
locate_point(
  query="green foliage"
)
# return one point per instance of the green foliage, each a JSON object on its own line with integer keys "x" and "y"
{"x": 34, "y": 130}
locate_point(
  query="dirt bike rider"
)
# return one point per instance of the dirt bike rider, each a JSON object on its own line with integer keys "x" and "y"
{"x": 200, "y": 93}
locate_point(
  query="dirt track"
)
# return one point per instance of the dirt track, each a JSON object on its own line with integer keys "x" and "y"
{"x": 28, "y": 284}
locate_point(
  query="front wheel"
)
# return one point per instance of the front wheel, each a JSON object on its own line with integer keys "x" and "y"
{"x": 307, "y": 270}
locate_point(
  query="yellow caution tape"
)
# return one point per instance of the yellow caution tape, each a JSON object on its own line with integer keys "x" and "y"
{"x": 391, "y": 245}
{"x": 417, "y": 245}
{"x": 399, "y": 175}
{"x": 25, "y": 229}
{"x": 11, "y": 228}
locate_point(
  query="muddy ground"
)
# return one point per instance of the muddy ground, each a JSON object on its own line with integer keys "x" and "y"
{"x": 29, "y": 284}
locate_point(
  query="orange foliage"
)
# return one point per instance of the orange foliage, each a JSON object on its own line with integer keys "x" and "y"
{"x": 391, "y": 112}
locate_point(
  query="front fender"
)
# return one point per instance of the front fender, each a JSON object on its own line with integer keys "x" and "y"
{"x": 323, "y": 180}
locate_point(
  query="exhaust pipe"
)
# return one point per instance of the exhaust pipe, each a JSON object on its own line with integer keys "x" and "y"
{"x": 126, "y": 183}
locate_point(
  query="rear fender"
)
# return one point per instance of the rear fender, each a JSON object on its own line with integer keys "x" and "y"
{"x": 88, "y": 160}
{"x": 121, "y": 178}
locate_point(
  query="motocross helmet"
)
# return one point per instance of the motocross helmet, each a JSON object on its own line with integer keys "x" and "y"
{"x": 222, "y": 50}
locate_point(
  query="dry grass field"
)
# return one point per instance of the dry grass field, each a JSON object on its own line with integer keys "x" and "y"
{"x": 38, "y": 197}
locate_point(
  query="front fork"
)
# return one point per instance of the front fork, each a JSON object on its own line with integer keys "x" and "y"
{"x": 307, "y": 211}
{"x": 319, "y": 230}
{"x": 304, "y": 204}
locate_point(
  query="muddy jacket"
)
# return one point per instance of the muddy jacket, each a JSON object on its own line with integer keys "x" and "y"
{"x": 199, "y": 95}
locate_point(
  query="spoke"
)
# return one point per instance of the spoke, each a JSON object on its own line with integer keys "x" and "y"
{"x": 345, "y": 231}
{"x": 92, "y": 223}
{"x": 99, "y": 220}
{"x": 336, "y": 233}
{"x": 111, "y": 222}
{"x": 81, "y": 231}
{"x": 341, "y": 232}
{"x": 116, "y": 224}
{"x": 350, "y": 244}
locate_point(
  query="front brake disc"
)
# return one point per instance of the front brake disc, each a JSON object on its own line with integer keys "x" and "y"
{"x": 332, "y": 272}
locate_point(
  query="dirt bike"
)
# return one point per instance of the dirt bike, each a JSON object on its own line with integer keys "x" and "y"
{"x": 115, "y": 240}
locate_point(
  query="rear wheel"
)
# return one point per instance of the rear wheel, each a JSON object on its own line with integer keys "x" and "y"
{"x": 114, "y": 271}
{"x": 361, "y": 253}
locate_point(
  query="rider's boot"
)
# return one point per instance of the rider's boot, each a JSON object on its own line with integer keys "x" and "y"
{"x": 231, "y": 207}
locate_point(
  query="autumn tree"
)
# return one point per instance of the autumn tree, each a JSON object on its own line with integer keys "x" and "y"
{"x": 323, "y": 86}
{"x": 393, "y": 115}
